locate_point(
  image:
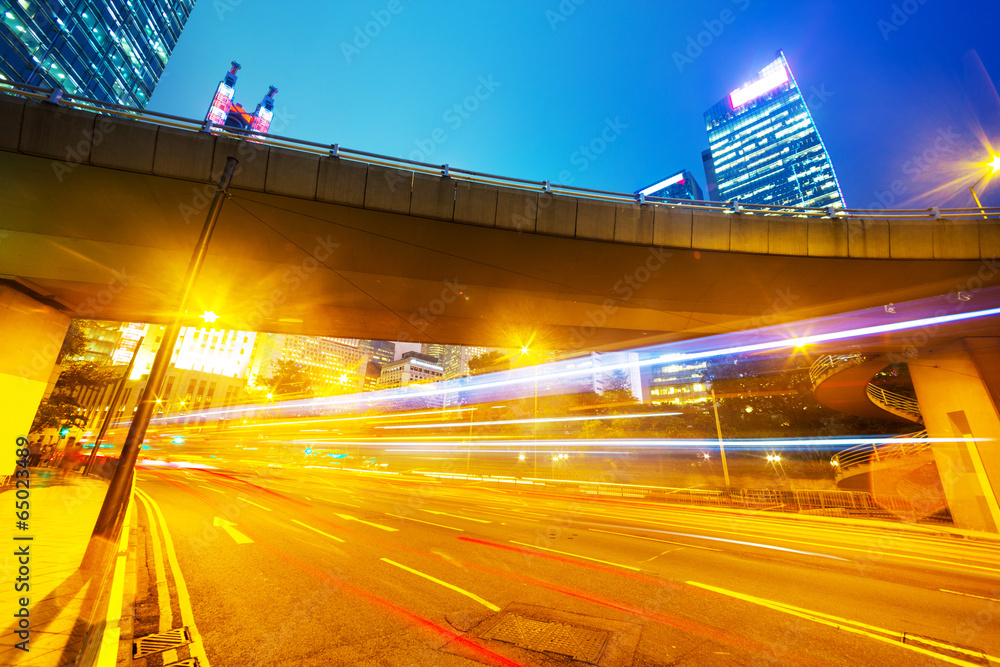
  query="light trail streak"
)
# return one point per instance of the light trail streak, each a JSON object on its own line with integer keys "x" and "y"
{"x": 777, "y": 338}
{"x": 653, "y": 443}
{"x": 539, "y": 420}
{"x": 298, "y": 422}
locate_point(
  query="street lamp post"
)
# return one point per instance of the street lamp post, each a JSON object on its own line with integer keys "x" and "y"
{"x": 109, "y": 518}
{"x": 991, "y": 168}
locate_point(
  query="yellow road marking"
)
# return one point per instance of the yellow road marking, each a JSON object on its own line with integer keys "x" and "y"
{"x": 887, "y": 636}
{"x": 488, "y": 605}
{"x": 519, "y": 517}
{"x": 565, "y": 553}
{"x": 183, "y": 599}
{"x": 970, "y": 595}
{"x": 211, "y": 489}
{"x": 166, "y": 621}
{"x": 514, "y": 509}
{"x": 439, "y": 525}
{"x": 652, "y": 539}
{"x": 658, "y": 555}
{"x": 305, "y": 525}
{"x": 107, "y": 653}
{"x": 254, "y": 504}
{"x": 341, "y": 502}
{"x": 348, "y": 517}
{"x": 456, "y": 516}
{"x": 337, "y": 488}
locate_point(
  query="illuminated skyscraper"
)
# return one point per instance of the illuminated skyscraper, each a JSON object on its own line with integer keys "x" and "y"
{"x": 109, "y": 51}
{"x": 765, "y": 148}
{"x": 676, "y": 186}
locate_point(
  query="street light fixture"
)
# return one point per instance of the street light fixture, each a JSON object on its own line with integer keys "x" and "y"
{"x": 991, "y": 167}
{"x": 209, "y": 316}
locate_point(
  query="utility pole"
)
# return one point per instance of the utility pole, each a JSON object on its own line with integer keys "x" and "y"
{"x": 722, "y": 448}
{"x": 111, "y": 410}
{"x": 109, "y": 520}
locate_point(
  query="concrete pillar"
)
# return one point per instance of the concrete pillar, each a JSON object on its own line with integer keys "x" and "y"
{"x": 31, "y": 334}
{"x": 958, "y": 388}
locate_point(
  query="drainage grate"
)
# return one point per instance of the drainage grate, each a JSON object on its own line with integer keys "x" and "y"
{"x": 190, "y": 662}
{"x": 583, "y": 644}
{"x": 160, "y": 642}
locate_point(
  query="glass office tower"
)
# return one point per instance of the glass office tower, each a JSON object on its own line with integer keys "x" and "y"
{"x": 108, "y": 51}
{"x": 765, "y": 148}
{"x": 676, "y": 186}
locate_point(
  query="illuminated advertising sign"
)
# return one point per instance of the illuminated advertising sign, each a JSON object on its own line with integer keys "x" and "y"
{"x": 755, "y": 89}
{"x": 261, "y": 121}
{"x": 221, "y": 104}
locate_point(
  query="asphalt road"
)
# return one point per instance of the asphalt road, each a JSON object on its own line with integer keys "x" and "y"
{"x": 328, "y": 567}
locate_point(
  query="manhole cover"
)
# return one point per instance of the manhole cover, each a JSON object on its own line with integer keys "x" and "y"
{"x": 162, "y": 641}
{"x": 583, "y": 644}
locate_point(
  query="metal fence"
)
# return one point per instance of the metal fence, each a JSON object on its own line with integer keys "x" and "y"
{"x": 58, "y": 96}
{"x": 857, "y": 504}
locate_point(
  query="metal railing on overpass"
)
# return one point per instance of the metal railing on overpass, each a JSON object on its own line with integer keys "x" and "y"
{"x": 897, "y": 447}
{"x": 58, "y": 96}
{"x": 831, "y": 364}
{"x": 885, "y": 398}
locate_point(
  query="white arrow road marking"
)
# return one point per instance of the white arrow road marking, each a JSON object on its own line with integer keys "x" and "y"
{"x": 227, "y": 526}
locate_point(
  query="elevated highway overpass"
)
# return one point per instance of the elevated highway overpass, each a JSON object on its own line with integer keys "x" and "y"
{"x": 102, "y": 206}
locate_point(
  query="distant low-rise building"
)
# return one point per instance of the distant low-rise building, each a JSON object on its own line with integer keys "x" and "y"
{"x": 413, "y": 368}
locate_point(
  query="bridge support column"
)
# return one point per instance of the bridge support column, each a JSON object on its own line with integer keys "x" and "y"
{"x": 31, "y": 334}
{"x": 958, "y": 388}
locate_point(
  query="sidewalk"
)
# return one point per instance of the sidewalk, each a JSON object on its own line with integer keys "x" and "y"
{"x": 62, "y": 515}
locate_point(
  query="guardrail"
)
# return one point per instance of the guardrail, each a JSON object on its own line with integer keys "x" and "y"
{"x": 872, "y": 452}
{"x": 829, "y": 364}
{"x": 58, "y": 96}
{"x": 890, "y": 399}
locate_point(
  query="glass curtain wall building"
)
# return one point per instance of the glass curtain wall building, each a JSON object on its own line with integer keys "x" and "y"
{"x": 765, "y": 148}
{"x": 109, "y": 51}
{"x": 676, "y": 186}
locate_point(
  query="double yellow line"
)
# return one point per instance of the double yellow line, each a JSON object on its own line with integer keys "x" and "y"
{"x": 197, "y": 648}
{"x": 856, "y": 627}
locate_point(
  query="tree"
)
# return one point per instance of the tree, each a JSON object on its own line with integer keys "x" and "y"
{"x": 86, "y": 375}
{"x": 289, "y": 378}
{"x": 62, "y": 407}
{"x": 74, "y": 343}
{"x": 489, "y": 362}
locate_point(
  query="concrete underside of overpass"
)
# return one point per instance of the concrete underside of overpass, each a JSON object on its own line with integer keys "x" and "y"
{"x": 110, "y": 244}
{"x": 100, "y": 215}
{"x": 99, "y": 219}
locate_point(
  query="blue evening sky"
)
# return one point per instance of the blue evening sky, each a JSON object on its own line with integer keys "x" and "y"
{"x": 903, "y": 92}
